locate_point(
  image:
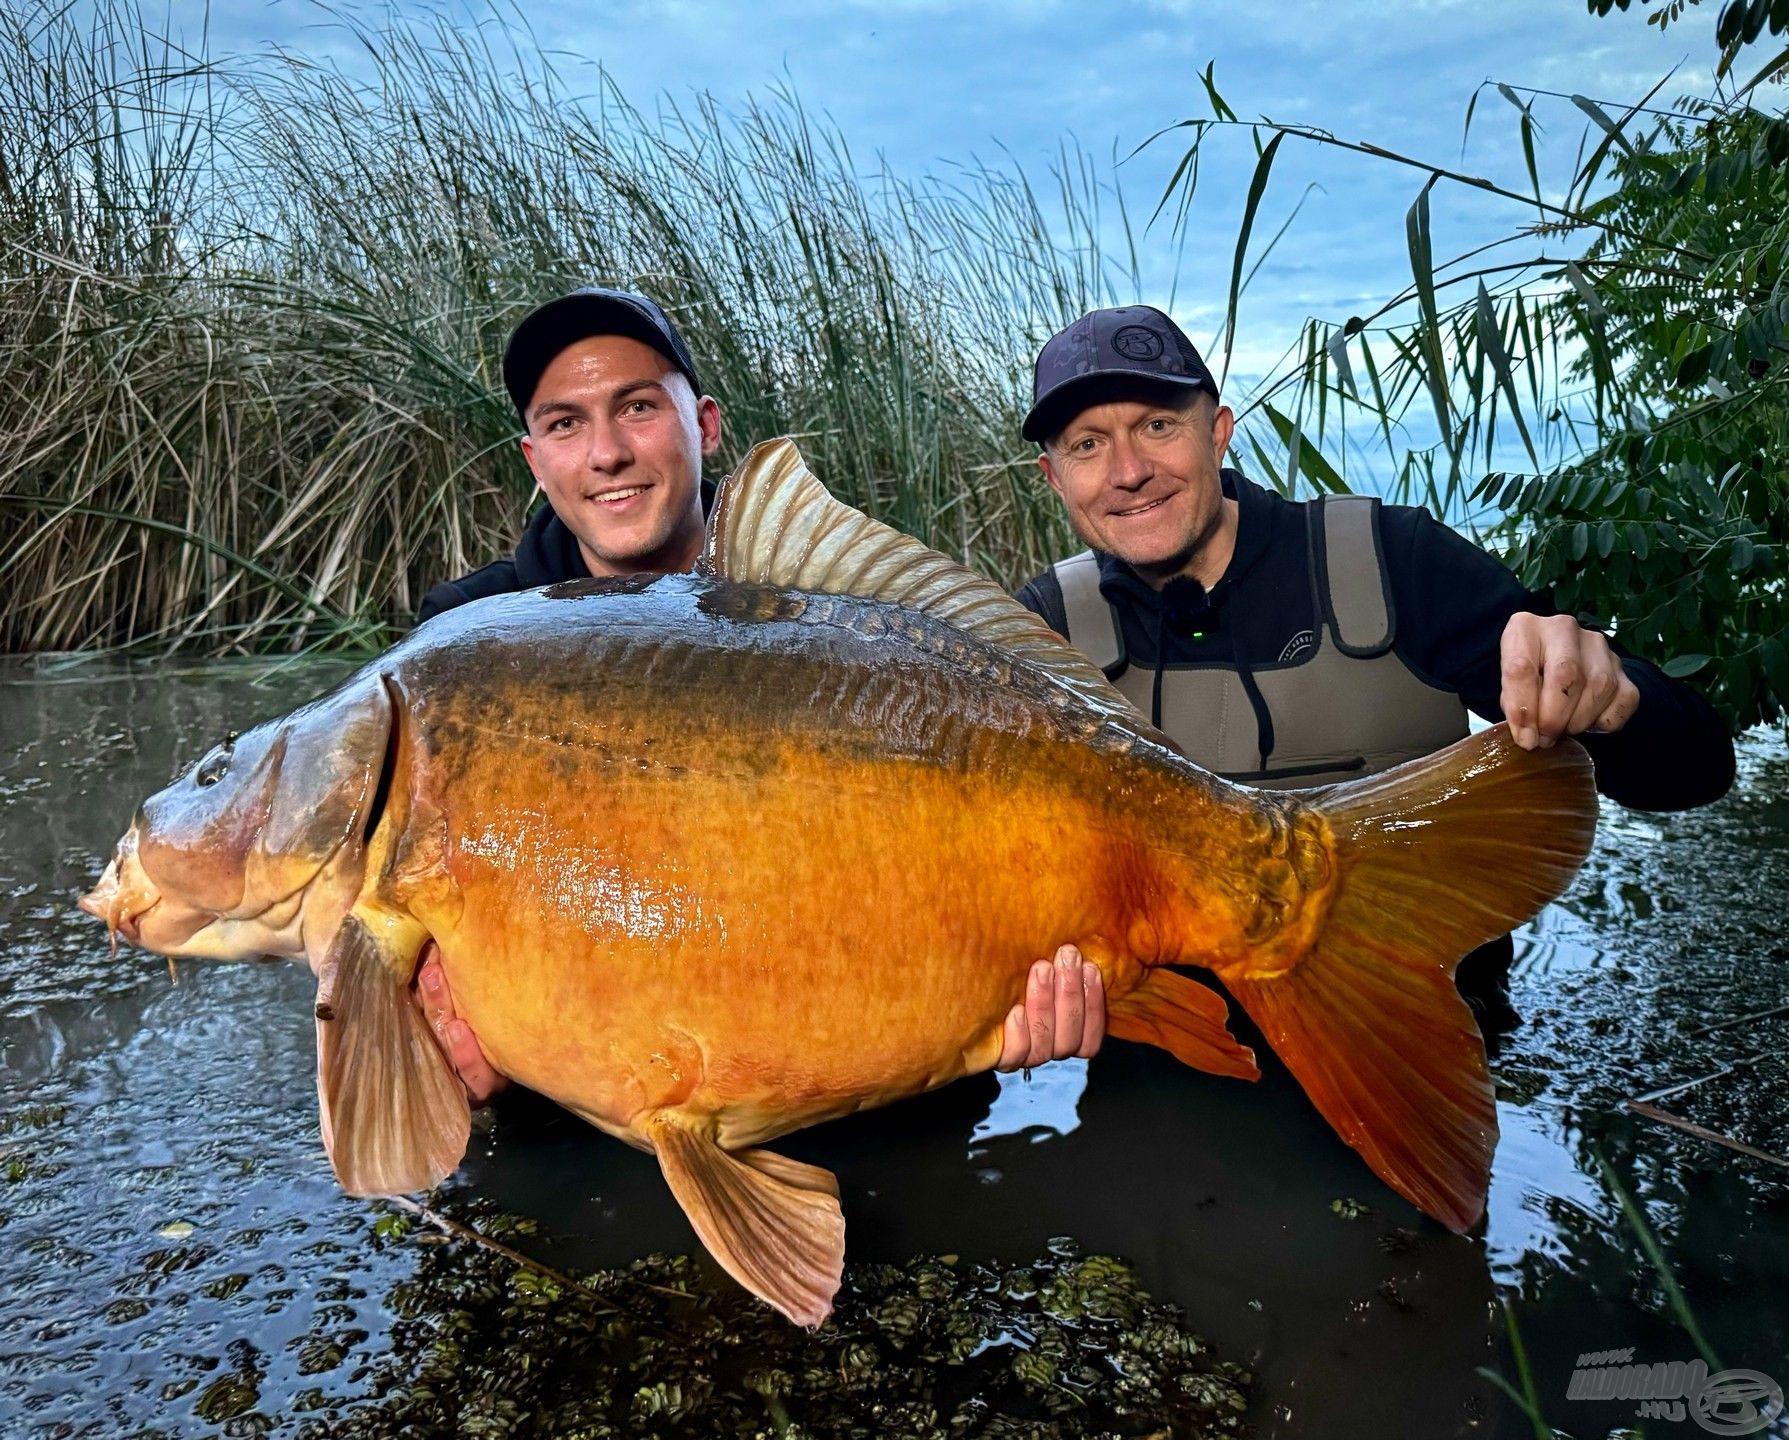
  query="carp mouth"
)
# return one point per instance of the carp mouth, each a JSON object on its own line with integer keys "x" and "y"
{"x": 123, "y": 895}
{"x": 137, "y": 910}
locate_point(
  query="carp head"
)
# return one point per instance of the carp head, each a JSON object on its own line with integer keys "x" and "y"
{"x": 262, "y": 842}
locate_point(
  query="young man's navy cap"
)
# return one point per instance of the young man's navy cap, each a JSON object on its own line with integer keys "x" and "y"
{"x": 1101, "y": 357}
{"x": 592, "y": 310}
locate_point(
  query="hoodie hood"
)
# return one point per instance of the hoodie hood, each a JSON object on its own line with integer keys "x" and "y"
{"x": 548, "y": 552}
{"x": 1184, "y": 607}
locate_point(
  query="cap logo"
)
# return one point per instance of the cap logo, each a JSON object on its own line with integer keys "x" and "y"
{"x": 1138, "y": 342}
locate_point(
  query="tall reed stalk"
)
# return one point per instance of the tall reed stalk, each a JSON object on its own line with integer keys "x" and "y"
{"x": 251, "y": 315}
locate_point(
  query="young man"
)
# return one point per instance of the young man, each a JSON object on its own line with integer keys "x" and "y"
{"x": 617, "y": 428}
{"x": 616, "y": 432}
{"x": 1293, "y": 644}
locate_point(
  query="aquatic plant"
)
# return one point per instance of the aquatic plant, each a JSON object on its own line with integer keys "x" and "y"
{"x": 1069, "y": 1345}
{"x": 251, "y": 314}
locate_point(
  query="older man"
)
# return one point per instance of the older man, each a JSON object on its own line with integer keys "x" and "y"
{"x": 1293, "y": 644}
{"x": 616, "y": 429}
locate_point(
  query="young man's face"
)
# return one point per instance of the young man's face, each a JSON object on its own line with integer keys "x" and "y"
{"x": 1140, "y": 479}
{"x": 616, "y": 439}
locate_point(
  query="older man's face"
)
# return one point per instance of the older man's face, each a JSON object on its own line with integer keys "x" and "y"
{"x": 616, "y": 439}
{"x": 1140, "y": 479}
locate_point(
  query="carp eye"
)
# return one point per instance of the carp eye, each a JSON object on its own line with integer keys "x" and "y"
{"x": 217, "y": 764}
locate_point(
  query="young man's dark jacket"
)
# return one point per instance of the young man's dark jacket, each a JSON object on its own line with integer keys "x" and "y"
{"x": 1450, "y": 601}
{"x": 547, "y": 553}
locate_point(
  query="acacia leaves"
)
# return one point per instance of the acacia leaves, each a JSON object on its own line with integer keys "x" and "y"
{"x": 1627, "y": 342}
{"x": 1689, "y": 478}
{"x": 1692, "y": 571}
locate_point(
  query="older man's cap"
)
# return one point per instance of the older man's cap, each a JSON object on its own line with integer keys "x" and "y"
{"x": 592, "y": 310}
{"x": 1109, "y": 355}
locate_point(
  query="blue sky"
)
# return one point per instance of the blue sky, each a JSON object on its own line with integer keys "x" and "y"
{"x": 926, "y": 84}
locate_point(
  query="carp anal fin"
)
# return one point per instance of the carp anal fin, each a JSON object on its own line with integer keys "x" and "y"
{"x": 775, "y": 524}
{"x": 395, "y": 1116}
{"x": 1184, "y": 1018}
{"x": 774, "y": 1224}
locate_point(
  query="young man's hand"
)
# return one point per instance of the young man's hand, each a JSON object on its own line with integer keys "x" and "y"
{"x": 1561, "y": 679}
{"x": 1063, "y": 1014}
{"x": 453, "y": 1034}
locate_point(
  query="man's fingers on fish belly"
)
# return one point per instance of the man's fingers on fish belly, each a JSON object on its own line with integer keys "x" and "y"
{"x": 1519, "y": 664}
{"x": 469, "y": 1063}
{"x": 458, "y": 1044}
{"x": 1093, "y": 1027}
{"x": 1015, "y": 1041}
{"x": 1069, "y": 1002}
{"x": 432, "y": 993}
{"x": 1040, "y": 1011}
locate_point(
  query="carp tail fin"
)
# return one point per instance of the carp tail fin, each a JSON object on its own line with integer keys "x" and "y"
{"x": 1435, "y": 857}
{"x": 395, "y": 1116}
{"x": 774, "y": 1224}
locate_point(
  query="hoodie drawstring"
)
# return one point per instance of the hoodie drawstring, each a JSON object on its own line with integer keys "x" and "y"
{"x": 1161, "y": 652}
{"x": 1175, "y": 608}
{"x": 1263, "y": 720}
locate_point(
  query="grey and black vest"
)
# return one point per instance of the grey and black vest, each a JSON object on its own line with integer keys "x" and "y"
{"x": 1343, "y": 708}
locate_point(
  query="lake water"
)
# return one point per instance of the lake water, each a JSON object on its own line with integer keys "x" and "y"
{"x": 175, "y": 1257}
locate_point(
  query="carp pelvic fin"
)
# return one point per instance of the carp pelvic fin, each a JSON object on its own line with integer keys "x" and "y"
{"x": 774, "y": 523}
{"x": 1184, "y": 1018}
{"x": 395, "y": 1116}
{"x": 773, "y": 1223}
{"x": 1435, "y": 857}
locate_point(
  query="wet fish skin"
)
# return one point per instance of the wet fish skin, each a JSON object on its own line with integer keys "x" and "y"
{"x": 749, "y": 769}
{"x": 712, "y": 857}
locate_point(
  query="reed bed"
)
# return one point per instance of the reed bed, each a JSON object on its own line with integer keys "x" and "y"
{"x": 252, "y": 311}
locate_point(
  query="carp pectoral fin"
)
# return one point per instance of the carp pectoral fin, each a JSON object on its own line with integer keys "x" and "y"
{"x": 773, "y": 1223}
{"x": 395, "y": 1116}
{"x": 1184, "y": 1018}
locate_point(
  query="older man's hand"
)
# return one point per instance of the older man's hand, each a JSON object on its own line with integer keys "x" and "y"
{"x": 453, "y": 1034}
{"x": 1064, "y": 1014}
{"x": 1561, "y": 679}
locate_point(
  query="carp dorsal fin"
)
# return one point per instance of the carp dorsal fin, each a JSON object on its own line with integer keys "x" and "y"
{"x": 775, "y": 524}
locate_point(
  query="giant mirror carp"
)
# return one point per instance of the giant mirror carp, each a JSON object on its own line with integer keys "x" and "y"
{"x": 710, "y": 857}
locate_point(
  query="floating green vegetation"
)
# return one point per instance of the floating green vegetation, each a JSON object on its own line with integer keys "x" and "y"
{"x": 1069, "y": 1345}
